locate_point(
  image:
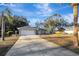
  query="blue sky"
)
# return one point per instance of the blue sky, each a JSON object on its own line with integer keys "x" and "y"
{"x": 39, "y": 11}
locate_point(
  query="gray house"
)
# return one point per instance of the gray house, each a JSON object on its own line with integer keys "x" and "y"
{"x": 27, "y": 30}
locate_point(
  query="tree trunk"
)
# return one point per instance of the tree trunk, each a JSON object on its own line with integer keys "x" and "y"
{"x": 3, "y": 27}
{"x": 75, "y": 28}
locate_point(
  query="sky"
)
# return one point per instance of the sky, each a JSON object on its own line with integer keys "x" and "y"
{"x": 38, "y": 12}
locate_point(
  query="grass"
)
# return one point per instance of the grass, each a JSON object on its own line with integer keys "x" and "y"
{"x": 7, "y": 44}
{"x": 61, "y": 40}
{"x": 64, "y": 40}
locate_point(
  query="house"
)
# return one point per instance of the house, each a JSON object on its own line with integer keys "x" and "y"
{"x": 27, "y": 30}
{"x": 69, "y": 30}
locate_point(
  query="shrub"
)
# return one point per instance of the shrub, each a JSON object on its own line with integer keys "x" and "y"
{"x": 58, "y": 34}
{"x": 9, "y": 33}
{"x": 61, "y": 29}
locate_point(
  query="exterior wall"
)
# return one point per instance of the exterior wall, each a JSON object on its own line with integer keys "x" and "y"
{"x": 23, "y": 32}
{"x": 70, "y": 32}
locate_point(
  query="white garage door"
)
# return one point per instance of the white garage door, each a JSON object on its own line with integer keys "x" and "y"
{"x": 27, "y": 32}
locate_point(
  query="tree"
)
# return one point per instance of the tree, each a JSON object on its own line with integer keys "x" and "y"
{"x": 49, "y": 25}
{"x": 39, "y": 25}
{"x": 60, "y": 22}
{"x": 6, "y": 16}
{"x": 11, "y": 22}
{"x": 20, "y": 21}
{"x": 55, "y": 21}
{"x": 0, "y": 25}
{"x": 3, "y": 26}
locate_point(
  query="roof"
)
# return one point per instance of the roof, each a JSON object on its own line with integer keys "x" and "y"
{"x": 27, "y": 28}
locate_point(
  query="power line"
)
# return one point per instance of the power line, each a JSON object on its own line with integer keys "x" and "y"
{"x": 61, "y": 8}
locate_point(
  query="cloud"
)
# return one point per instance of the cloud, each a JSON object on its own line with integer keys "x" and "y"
{"x": 17, "y": 10}
{"x": 8, "y": 4}
{"x": 60, "y": 8}
{"x": 34, "y": 20}
{"x": 12, "y": 5}
{"x": 69, "y": 17}
{"x": 2, "y": 4}
{"x": 43, "y": 9}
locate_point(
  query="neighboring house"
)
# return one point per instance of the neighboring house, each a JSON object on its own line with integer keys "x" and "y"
{"x": 69, "y": 30}
{"x": 27, "y": 30}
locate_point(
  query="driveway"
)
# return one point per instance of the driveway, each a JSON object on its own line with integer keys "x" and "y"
{"x": 33, "y": 45}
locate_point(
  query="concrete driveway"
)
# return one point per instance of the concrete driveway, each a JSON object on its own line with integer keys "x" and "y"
{"x": 33, "y": 45}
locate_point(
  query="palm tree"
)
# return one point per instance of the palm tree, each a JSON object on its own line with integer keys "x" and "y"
{"x": 6, "y": 16}
{"x": 75, "y": 28}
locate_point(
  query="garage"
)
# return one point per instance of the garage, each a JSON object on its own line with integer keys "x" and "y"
{"x": 26, "y": 30}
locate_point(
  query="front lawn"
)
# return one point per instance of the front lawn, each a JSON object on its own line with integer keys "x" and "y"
{"x": 60, "y": 40}
{"x": 64, "y": 40}
{"x": 7, "y": 44}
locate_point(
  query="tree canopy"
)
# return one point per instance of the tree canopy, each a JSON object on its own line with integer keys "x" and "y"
{"x": 56, "y": 21}
{"x": 12, "y": 22}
